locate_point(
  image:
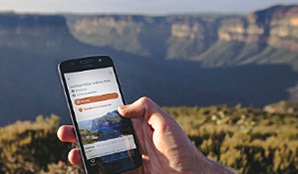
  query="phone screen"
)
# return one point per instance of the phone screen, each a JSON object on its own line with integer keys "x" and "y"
{"x": 106, "y": 138}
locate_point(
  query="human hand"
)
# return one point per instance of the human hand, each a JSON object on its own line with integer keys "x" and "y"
{"x": 164, "y": 146}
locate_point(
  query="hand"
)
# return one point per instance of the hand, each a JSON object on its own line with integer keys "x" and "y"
{"x": 164, "y": 146}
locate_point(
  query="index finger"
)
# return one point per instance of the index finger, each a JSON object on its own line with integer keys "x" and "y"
{"x": 66, "y": 134}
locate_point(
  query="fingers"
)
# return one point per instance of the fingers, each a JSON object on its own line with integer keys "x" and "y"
{"x": 74, "y": 156}
{"x": 146, "y": 108}
{"x": 66, "y": 134}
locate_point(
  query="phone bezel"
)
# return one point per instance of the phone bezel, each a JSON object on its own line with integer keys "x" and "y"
{"x": 76, "y": 65}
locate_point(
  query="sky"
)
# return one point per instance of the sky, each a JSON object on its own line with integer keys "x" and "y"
{"x": 139, "y": 6}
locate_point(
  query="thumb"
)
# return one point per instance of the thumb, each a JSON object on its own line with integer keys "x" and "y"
{"x": 148, "y": 110}
{"x": 131, "y": 111}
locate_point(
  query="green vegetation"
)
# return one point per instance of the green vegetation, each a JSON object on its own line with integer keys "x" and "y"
{"x": 28, "y": 147}
{"x": 247, "y": 139}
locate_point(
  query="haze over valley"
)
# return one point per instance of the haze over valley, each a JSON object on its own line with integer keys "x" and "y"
{"x": 176, "y": 59}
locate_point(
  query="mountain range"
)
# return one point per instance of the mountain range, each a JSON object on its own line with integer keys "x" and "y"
{"x": 175, "y": 59}
{"x": 214, "y": 40}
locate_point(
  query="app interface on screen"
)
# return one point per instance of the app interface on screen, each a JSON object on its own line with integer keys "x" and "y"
{"x": 95, "y": 97}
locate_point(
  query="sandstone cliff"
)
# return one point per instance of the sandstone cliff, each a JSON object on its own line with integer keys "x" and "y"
{"x": 265, "y": 36}
{"x": 32, "y": 45}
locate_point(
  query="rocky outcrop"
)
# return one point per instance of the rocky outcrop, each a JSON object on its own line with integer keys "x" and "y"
{"x": 276, "y": 27}
{"x": 118, "y": 32}
{"x": 40, "y": 33}
{"x": 282, "y": 107}
{"x": 160, "y": 37}
{"x": 31, "y": 46}
{"x": 208, "y": 38}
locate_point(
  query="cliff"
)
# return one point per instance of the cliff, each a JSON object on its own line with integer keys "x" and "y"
{"x": 147, "y": 51}
{"x": 266, "y": 36}
{"x": 214, "y": 40}
{"x": 40, "y": 33}
{"x": 169, "y": 37}
{"x": 276, "y": 27}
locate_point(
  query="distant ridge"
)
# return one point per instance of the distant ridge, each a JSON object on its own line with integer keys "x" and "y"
{"x": 259, "y": 37}
{"x": 175, "y": 60}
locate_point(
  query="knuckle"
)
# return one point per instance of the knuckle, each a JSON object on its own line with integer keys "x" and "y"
{"x": 145, "y": 100}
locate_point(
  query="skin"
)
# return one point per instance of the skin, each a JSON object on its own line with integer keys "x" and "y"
{"x": 164, "y": 146}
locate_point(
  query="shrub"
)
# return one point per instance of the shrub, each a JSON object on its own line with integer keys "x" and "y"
{"x": 28, "y": 147}
{"x": 247, "y": 139}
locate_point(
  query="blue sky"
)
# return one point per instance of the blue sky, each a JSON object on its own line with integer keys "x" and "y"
{"x": 138, "y": 6}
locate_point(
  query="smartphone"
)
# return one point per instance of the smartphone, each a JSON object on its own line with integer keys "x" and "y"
{"x": 107, "y": 140}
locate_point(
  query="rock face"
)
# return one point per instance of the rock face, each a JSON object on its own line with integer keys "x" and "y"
{"x": 280, "y": 25}
{"x": 33, "y": 32}
{"x": 276, "y": 27}
{"x": 215, "y": 40}
{"x": 118, "y": 32}
{"x": 169, "y": 37}
{"x": 31, "y": 46}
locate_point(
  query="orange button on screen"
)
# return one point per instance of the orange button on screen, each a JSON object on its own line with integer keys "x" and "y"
{"x": 98, "y": 98}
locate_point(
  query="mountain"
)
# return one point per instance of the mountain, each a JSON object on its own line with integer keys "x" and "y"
{"x": 268, "y": 36}
{"x": 214, "y": 40}
{"x": 171, "y": 37}
{"x": 31, "y": 48}
{"x": 143, "y": 48}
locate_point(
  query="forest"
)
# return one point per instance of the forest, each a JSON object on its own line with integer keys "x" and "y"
{"x": 247, "y": 139}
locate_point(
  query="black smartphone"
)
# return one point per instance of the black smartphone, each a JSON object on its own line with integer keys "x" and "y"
{"x": 107, "y": 141}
